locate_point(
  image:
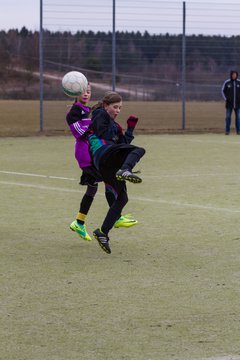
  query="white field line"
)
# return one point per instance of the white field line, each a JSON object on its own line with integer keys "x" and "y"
{"x": 228, "y": 357}
{"x": 184, "y": 138}
{"x": 136, "y": 198}
{"x": 223, "y": 142}
{"x": 189, "y": 175}
{"x": 144, "y": 176}
{"x": 185, "y": 205}
{"x": 40, "y": 187}
{"x": 220, "y": 142}
{"x": 36, "y": 175}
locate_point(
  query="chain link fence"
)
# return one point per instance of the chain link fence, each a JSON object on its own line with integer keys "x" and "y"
{"x": 171, "y": 56}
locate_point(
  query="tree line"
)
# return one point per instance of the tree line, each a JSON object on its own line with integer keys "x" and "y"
{"x": 142, "y": 59}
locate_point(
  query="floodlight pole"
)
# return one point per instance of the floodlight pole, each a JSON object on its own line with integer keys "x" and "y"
{"x": 41, "y": 64}
{"x": 114, "y": 46}
{"x": 184, "y": 68}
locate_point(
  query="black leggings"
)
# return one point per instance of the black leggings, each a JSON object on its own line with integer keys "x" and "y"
{"x": 89, "y": 195}
{"x": 132, "y": 158}
{"x": 87, "y": 199}
{"x": 108, "y": 168}
{"x": 119, "y": 191}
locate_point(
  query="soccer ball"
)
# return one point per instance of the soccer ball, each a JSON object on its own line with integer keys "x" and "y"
{"x": 74, "y": 83}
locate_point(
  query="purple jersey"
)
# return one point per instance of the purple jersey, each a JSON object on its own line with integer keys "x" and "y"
{"x": 79, "y": 121}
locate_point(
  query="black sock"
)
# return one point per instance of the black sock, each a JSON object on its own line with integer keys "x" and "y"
{"x": 80, "y": 222}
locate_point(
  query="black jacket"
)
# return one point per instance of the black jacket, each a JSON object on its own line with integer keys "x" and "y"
{"x": 108, "y": 130}
{"x": 231, "y": 92}
{"x": 106, "y": 135}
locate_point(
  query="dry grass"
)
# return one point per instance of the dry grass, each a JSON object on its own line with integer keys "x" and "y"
{"x": 20, "y": 118}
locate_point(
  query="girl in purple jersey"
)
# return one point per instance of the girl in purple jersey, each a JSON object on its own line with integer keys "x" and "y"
{"x": 78, "y": 119}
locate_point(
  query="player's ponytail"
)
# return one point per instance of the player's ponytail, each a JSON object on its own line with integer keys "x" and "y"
{"x": 99, "y": 105}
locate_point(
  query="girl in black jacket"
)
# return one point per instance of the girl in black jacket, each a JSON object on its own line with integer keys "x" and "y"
{"x": 114, "y": 157}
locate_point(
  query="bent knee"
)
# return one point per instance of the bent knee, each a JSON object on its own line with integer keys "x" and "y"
{"x": 142, "y": 151}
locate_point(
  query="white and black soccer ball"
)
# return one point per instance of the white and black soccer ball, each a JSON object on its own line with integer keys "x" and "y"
{"x": 74, "y": 83}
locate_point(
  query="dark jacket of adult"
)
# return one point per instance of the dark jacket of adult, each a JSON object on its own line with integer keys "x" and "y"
{"x": 231, "y": 91}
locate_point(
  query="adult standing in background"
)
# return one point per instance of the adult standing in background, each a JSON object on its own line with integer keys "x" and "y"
{"x": 231, "y": 95}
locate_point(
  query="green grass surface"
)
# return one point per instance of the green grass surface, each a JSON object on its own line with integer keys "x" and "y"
{"x": 170, "y": 288}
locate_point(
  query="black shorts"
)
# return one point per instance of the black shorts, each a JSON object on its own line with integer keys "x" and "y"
{"x": 111, "y": 162}
{"x": 109, "y": 178}
{"x": 90, "y": 176}
{"x": 115, "y": 156}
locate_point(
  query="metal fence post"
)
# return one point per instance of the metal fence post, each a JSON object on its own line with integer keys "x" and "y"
{"x": 41, "y": 64}
{"x": 184, "y": 68}
{"x": 114, "y": 47}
